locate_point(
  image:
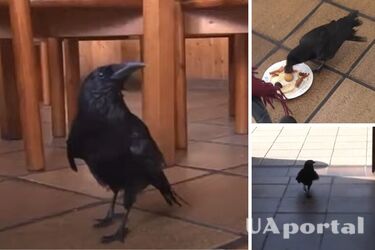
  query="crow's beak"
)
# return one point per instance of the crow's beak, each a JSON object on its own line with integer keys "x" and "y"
{"x": 125, "y": 69}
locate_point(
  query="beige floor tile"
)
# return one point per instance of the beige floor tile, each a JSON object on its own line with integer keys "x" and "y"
{"x": 260, "y": 48}
{"x": 351, "y": 138}
{"x": 240, "y": 170}
{"x": 287, "y": 145}
{"x": 212, "y": 156}
{"x": 303, "y": 106}
{"x": 315, "y": 153}
{"x": 317, "y": 189}
{"x": 269, "y": 180}
{"x": 350, "y": 145}
{"x": 296, "y": 138}
{"x": 349, "y": 153}
{"x": 349, "y": 104}
{"x": 352, "y": 131}
{"x": 283, "y": 19}
{"x": 234, "y": 139}
{"x": 74, "y": 230}
{"x": 10, "y": 146}
{"x": 364, "y": 6}
{"x": 202, "y": 194}
{"x": 348, "y": 161}
{"x": 259, "y": 152}
{"x": 350, "y": 51}
{"x": 319, "y": 145}
{"x": 207, "y": 132}
{"x": 26, "y": 201}
{"x": 319, "y": 138}
{"x": 15, "y": 164}
{"x": 284, "y": 154}
{"x": 353, "y": 190}
{"x": 84, "y": 182}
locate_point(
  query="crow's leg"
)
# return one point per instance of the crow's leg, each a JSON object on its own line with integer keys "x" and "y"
{"x": 304, "y": 188}
{"x": 308, "y": 195}
{"x": 120, "y": 234}
{"x": 319, "y": 68}
{"x": 108, "y": 219}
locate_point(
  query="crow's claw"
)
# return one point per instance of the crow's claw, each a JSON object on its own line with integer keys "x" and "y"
{"x": 108, "y": 220}
{"x": 118, "y": 236}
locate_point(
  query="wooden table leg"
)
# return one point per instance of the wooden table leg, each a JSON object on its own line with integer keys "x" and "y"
{"x": 38, "y": 66}
{"x": 159, "y": 87}
{"x": 241, "y": 83}
{"x": 72, "y": 77}
{"x": 180, "y": 75}
{"x": 20, "y": 18}
{"x": 56, "y": 74}
{"x": 45, "y": 72}
{"x": 11, "y": 128}
{"x": 231, "y": 76}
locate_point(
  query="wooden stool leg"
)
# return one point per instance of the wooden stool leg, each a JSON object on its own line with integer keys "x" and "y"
{"x": 11, "y": 128}
{"x": 38, "y": 66}
{"x": 57, "y": 87}
{"x": 159, "y": 86}
{"x": 180, "y": 75}
{"x": 241, "y": 83}
{"x": 72, "y": 77}
{"x": 45, "y": 72}
{"x": 20, "y": 17}
{"x": 231, "y": 76}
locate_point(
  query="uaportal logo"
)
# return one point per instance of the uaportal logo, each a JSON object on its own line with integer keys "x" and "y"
{"x": 288, "y": 229}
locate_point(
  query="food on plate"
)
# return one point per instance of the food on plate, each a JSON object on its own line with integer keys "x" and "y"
{"x": 287, "y": 82}
{"x": 288, "y": 77}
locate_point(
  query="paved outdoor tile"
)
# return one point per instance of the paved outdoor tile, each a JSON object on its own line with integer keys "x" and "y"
{"x": 287, "y": 145}
{"x": 265, "y": 205}
{"x": 233, "y": 139}
{"x": 354, "y": 180}
{"x": 84, "y": 182}
{"x": 204, "y": 196}
{"x": 364, "y": 241}
{"x": 349, "y": 153}
{"x": 367, "y": 191}
{"x": 243, "y": 170}
{"x": 344, "y": 170}
{"x": 258, "y": 237}
{"x": 303, "y": 106}
{"x": 14, "y": 163}
{"x": 351, "y": 205}
{"x": 276, "y": 241}
{"x": 322, "y": 180}
{"x": 349, "y": 104}
{"x": 74, "y": 230}
{"x": 259, "y": 152}
{"x": 202, "y": 132}
{"x": 31, "y": 201}
{"x": 268, "y": 191}
{"x": 284, "y": 18}
{"x": 350, "y": 51}
{"x": 349, "y": 160}
{"x": 364, "y": 6}
{"x": 270, "y": 171}
{"x": 315, "y": 153}
{"x": 213, "y": 156}
{"x": 317, "y": 189}
{"x": 351, "y": 138}
{"x": 282, "y": 154}
{"x": 269, "y": 180}
{"x": 260, "y": 48}
{"x": 350, "y": 145}
{"x": 301, "y": 204}
{"x": 318, "y": 145}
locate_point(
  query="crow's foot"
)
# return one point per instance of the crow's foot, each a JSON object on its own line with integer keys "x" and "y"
{"x": 319, "y": 68}
{"x": 107, "y": 221}
{"x": 118, "y": 236}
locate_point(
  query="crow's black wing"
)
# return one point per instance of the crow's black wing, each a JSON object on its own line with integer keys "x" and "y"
{"x": 300, "y": 176}
{"x": 316, "y": 176}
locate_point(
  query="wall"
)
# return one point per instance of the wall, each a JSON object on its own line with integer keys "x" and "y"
{"x": 205, "y": 58}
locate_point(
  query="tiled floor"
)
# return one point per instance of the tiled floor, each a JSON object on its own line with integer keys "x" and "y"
{"x": 57, "y": 208}
{"x": 342, "y": 90}
{"x": 345, "y": 190}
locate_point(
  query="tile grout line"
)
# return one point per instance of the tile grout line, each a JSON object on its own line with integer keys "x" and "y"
{"x": 277, "y": 136}
{"x": 304, "y": 141}
{"x": 269, "y": 54}
{"x": 326, "y": 212}
{"x": 333, "y": 148}
{"x": 349, "y": 9}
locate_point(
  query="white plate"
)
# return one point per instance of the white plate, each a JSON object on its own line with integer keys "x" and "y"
{"x": 305, "y": 85}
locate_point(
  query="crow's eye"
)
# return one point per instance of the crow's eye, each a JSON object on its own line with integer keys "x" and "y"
{"x": 101, "y": 75}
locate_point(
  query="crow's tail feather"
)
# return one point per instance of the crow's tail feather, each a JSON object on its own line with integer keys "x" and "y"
{"x": 357, "y": 38}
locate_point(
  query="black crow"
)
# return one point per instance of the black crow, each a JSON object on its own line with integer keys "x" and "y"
{"x": 322, "y": 43}
{"x": 115, "y": 144}
{"x": 307, "y": 175}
